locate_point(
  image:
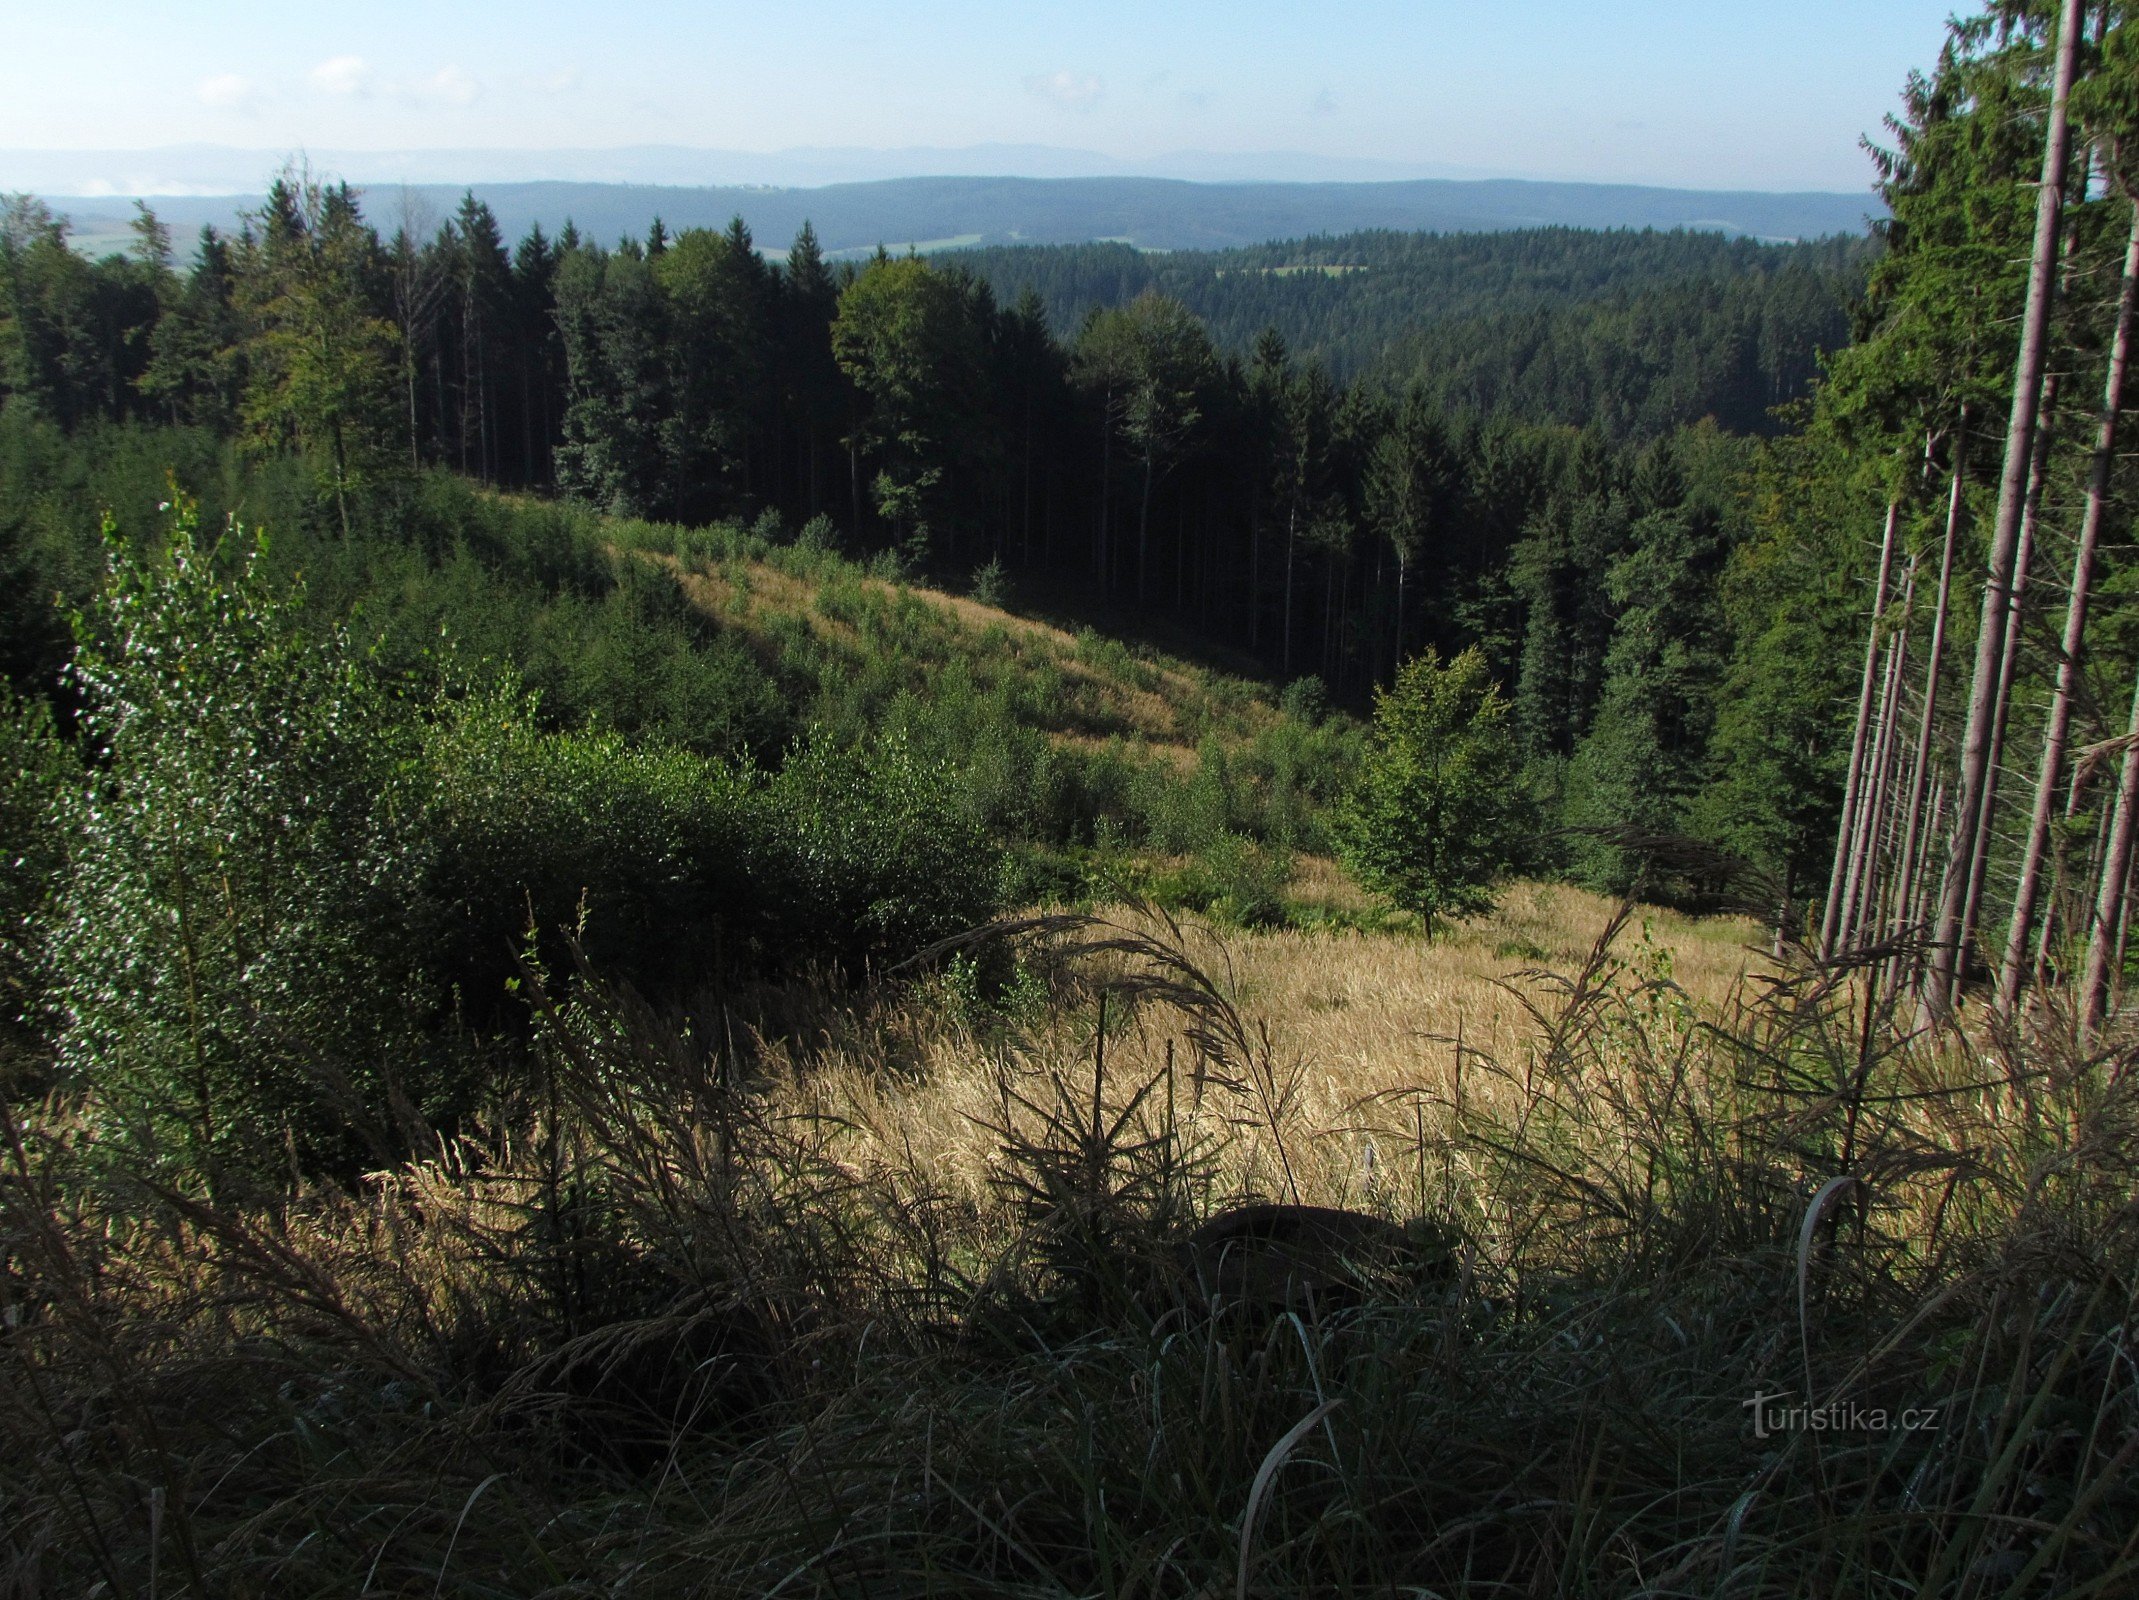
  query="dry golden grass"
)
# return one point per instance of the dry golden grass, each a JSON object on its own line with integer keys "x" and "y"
{"x": 1360, "y": 1034}
{"x": 681, "y": 1339}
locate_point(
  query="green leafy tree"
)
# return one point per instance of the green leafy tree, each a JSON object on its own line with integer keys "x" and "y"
{"x": 325, "y": 366}
{"x": 718, "y": 296}
{"x": 196, "y": 367}
{"x": 1437, "y": 817}
{"x": 618, "y": 409}
{"x": 36, "y": 769}
{"x": 230, "y": 951}
{"x": 906, "y": 337}
{"x": 1155, "y": 366}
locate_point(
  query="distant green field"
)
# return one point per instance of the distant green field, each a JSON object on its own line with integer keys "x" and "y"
{"x": 959, "y": 241}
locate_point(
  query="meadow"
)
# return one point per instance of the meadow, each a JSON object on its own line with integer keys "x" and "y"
{"x": 805, "y": 1289}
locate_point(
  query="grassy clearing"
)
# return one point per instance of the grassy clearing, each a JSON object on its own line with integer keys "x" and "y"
{"x": 812, "y": 1291}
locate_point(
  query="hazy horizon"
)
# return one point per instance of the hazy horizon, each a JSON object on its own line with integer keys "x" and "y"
{"x": 1657, "y": 92}
{"x": 211, "y": 170}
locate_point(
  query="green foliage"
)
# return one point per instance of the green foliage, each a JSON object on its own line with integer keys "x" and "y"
{"x": 1641, "y": 331}
{"x": 906, "y": 337}
{"x": 869, "y": 852}
{"x": 229, "y": 949}
{"x": 37, "y": 774}
{"x": 322, "y": 362}
{"x": 638, "y": 853}
{"x": 1645, "y": 755}
{"x": 991, "y": 583}
{"x": 1437, "y": 817}
{"x": 1233, "y": 880}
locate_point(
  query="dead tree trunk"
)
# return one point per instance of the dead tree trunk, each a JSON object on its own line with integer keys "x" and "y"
{"x": 1853, "y": 785}
{"x": 1916, "y": 839}
{"x": 2012, "y": 971}
{"x": 2009, "y": 663}
{"x": 1875, "y": 813}
{"x": 2109, "y": 895}
{"x": 1947, "y": 955}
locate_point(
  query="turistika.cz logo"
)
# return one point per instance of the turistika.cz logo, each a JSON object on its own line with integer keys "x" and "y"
{"x": 1773, "y": 1413}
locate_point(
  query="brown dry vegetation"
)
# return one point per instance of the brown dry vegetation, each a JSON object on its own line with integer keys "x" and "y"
{"x": 844, "y": 1293}
{"x": 1364, "y": 1028}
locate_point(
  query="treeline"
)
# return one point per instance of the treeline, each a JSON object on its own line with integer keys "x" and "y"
{"x": 1326, "y": 528}
{"x": 1945, "y": 551}
{"x": 1635, "y": 332}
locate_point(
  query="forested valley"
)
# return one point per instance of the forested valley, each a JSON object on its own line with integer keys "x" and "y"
{"x": 1086, "y": 434}
{"x": 1068, "y": 921}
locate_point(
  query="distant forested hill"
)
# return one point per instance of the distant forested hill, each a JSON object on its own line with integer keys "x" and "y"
{"x": 1637, "y": 332}
{"x": 1152, "y": 213}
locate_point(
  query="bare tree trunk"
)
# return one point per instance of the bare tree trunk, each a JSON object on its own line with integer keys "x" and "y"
{"x": 2109, "y": 896}
{"x": 1143, "y": 530}
{"x": 1403, "y": 578}
{"x": 1860, "y": 886}
{"x": 1292, "y": 526}
{"x": 2009, "y": 663}
{"x": 1948, "y": 959}
{"x": 1853, "y": 785}
{"x": 1916, "y": 839}
{"x": 2012, "y": 972}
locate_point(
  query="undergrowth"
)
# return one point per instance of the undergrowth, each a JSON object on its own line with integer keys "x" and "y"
{"x": 665, "y": 1322}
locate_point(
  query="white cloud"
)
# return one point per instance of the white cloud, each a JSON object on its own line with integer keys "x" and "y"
{"x": 448, "y": 85}
{"x": 560, "y": 82}
{"x": 1073, "y": 91}
{"x": 345, "y": 75}
{"x": 225, "y": 89}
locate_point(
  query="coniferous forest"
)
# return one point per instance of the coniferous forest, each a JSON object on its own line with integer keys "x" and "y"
{"x": 677, "y": 919}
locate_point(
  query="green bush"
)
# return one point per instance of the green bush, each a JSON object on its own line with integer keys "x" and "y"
{"x": 1233, "y": 880}
{"x": 36, "y": 772}
{"x": 866, "y": 852}
{"x": 230, "y": 949}
{"x": 1437, "y": 817}
{"x": 634, "y": 849}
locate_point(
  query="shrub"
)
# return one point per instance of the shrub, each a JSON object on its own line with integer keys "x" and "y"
{"x": 991, "y": 584}
{"x": 231, "y": 947}
{"x": 36, "y": 770}
{"x": 1436, "y": 817}
{"x": 1232, "y": 880}
{"x": 635, "y": 850}
{"x": 868, "y": 851}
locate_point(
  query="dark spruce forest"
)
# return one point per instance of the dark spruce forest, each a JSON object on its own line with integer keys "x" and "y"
{"x": 1375, "y": 912}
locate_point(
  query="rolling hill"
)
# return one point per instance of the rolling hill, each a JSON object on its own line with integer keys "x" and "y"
{"x": 1150, "y": 213}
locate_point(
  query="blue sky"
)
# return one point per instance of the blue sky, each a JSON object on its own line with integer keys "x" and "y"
{"x": 1723, "y": 94}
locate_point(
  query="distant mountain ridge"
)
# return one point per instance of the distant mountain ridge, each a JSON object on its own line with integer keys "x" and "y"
{"x": 1151, "y": 213}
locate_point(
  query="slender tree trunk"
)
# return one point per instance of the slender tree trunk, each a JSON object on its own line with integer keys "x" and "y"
{"x": 1292, "y": 523}
{"x": 1853, "y": 784}
{"x": 2013, "y": 971}
{"x": 1948, "y": 958}
{"x": 2109, "y": 895}
{"x": 2009, "y": 664}
{"x": 1916, "y": 838}
{"x": 1329, "y": 622}
{"x": 408, "y": 368}
{"x": 1143, "y": 534}
{"x": 1403, "y": 573}
{"x": 1877, "y": 832}
{"x": 1866, "y": 889}
{"x": 1180, "y": 555}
